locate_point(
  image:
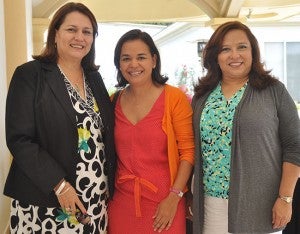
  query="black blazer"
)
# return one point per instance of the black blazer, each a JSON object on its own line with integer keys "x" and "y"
{"x": 41, "y": 132}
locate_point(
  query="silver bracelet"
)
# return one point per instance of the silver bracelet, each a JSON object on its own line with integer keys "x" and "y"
{"x": 67, "y": 189}
{"x": 60, "y": 188}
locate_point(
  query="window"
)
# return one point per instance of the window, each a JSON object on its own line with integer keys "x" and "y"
{"x": 293, "y": 69}
{"x": 283, "y": 59}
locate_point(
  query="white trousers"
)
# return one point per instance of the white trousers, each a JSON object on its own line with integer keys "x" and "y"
{"x": 216, "y": 216}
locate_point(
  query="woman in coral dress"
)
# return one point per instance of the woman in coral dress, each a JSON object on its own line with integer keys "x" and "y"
{"x": 154, "y": 143}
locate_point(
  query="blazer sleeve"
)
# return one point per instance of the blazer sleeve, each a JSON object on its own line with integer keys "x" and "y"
{"x": 21, "y": 130}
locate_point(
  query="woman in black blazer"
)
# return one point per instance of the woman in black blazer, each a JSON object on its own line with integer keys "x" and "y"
{"x": 59, "y": 129}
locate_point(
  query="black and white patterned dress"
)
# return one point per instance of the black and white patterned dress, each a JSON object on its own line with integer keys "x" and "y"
{"x": 91, "y": 182}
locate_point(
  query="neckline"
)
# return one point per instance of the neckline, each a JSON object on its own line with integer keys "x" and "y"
{"x": 145, "y": 116}
{"x": 75, "y": 86}
{"x": 242, "y": 88}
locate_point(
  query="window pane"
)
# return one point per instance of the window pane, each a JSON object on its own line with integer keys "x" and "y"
{"x": 274, "y": 59}
{"x": 293, "y": 69}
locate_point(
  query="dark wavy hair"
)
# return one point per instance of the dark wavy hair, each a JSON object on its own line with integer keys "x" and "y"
{"x": 259, "y": 78}
{"x": 49, "y": 54}
{"x": 132, "y": 35}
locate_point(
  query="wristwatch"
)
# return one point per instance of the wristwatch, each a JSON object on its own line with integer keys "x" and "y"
{"x": 178, "y": 192}
{"x": 287, "y": 199}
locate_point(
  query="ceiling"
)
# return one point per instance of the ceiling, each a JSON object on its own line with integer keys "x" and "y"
{"x": 205, "y": 11}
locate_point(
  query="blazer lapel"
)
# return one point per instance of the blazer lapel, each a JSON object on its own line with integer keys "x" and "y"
{"x": 54, "y": 78}
{"x": 99, "y": 89}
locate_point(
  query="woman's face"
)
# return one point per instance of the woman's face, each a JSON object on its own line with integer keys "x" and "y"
{"x": 136, "y": 62}
{"x": 74, "y": 37}
{"x": 235, "y": 57}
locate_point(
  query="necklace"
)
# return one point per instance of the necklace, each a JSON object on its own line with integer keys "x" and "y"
{"x": 76, "y": 87}
{"x": 73, "y": 84}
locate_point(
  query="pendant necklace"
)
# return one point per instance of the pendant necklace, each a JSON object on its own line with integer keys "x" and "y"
{"x": 74, "y": 85}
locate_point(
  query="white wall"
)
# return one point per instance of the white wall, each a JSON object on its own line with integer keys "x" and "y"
{"x": 275, "y": 34}
{"x": 181, "y": 51}
{"x": 4, "y": 154}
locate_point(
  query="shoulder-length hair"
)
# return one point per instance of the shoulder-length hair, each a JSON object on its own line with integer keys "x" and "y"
{"x": 49, "y": 54}
{"x": 132, "y": 35}
{"x": 259, "y": 78}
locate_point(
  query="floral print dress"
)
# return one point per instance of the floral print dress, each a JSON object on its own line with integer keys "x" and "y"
{"x": 91, "y": 181}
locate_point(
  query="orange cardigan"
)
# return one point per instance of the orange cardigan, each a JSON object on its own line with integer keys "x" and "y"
{"x": 177, "y": 124}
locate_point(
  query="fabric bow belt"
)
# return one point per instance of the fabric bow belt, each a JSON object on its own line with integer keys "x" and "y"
{"x": 138, "y": 182}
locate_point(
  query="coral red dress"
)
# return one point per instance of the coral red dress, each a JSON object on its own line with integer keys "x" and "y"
{"x": 143, "y": 174}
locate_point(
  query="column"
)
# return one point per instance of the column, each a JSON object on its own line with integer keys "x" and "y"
{"x": 15, "y": 42}
{"x": 39, "y": 28}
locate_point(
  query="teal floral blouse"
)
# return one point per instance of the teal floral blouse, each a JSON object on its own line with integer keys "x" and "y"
{"x": 215, "y": 130}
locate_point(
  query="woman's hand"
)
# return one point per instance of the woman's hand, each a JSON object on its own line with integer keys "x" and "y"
{"x": 69, "y": 200}
{"x": 189, "y": 205}
{"x": 165, "y": 212}
{"x": 282, "y": 213}
{"x": 282, "y": 210}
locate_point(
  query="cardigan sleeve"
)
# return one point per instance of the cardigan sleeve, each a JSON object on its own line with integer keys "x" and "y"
{"x": 182, "y": 124}
{"x": 289, "y": 126}
{"x": 177, "y": 124}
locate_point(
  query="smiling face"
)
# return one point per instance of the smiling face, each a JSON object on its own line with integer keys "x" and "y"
{"x": 136, "y": 62}
{"x": 74, "y": 37}
{"x": 235, "y": 57}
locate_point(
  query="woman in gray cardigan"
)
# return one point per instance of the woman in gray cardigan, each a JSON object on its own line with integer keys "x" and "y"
{"x": 247, "y": 137}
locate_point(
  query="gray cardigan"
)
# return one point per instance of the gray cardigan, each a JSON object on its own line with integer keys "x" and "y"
{"x": 266, "y": 132}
